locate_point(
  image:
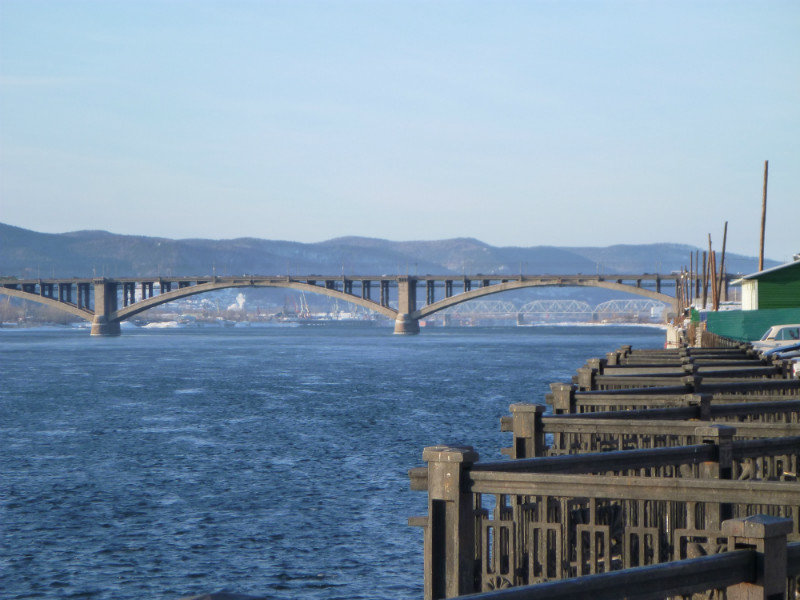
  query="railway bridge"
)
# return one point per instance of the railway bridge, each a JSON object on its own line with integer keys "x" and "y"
{"x": 106, "y": 302}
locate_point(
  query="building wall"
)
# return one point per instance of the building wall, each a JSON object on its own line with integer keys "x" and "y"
{"x": 780, "y": 289}
{"x": 750, "y": 294}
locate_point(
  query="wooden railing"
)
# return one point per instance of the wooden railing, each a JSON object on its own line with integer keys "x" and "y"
{"x": 623, "y": 370}
{"x": 537, "y": 520}
{"x": 566, "y": 399}
{"x": 741, "y": 573}
{"x": 617, "y": 480}
{"x": 536, "y": 434}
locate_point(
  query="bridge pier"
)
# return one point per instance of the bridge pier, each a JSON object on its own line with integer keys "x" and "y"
{"x": 405, "y": 324}
{"x": 102, "y": 326}
{"x": 105, "y": 302}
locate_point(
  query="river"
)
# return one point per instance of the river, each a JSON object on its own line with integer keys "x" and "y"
{"x": 261, "y": 460}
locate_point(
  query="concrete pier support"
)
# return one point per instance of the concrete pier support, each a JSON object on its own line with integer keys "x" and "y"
{"x": 102, "y": 326}
{"x": 105, "y": 303}
{"x": 406, "y": 304}
{"x": 406, "y": 325}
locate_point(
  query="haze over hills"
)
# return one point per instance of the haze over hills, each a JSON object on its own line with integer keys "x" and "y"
{"x": 27, "y": 254}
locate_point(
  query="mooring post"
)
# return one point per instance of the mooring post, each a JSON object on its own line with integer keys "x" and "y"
{"x": 526, "y": 423}
{"x": 767, "y": 536}
{"x": 450, "y": 534}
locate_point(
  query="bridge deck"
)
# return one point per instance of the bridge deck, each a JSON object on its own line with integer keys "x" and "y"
{"x": 567, "y": 278}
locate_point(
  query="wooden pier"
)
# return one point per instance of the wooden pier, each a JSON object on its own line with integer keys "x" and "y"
{"x": 654, "y": 473}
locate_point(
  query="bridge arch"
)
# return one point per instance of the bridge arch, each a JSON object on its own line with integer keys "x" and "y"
{"x": 143, "y": 305}
{"x": 516, "y": 285}
{"x": 71, "y": 309}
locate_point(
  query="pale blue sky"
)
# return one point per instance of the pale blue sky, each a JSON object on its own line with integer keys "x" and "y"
{"x": 518, "y": 123}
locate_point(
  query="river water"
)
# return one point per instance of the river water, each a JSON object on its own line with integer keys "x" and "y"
{"x": 269, "y": 461}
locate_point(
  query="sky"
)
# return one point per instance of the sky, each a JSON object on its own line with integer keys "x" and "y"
{"x": 561, "y": 123}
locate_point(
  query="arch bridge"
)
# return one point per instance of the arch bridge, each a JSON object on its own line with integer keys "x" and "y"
{"x": 106, "y": 302}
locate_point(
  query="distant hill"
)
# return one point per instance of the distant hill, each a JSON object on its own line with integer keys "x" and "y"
{"x": 25, "y": 253}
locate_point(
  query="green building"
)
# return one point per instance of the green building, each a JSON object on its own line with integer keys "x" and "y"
{"x": 778, "y": 287}
{"x": 769, "y": 297}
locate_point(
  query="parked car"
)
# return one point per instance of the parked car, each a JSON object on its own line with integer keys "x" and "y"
{"x": 783, "y": 351}
{"x": 778, "y": 335}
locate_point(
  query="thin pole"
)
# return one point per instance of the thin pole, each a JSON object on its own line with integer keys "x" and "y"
{"x": 686, "y": 301}
{"x": 763, "y": 218}
{"x": 691, "y": 277}
{"x": 710, "y": 282}
{"x": 705, "y": 279}
{"x": 721, "y": 277}
{"x": 696, "y": 273}
{"x": 714, "y": 297}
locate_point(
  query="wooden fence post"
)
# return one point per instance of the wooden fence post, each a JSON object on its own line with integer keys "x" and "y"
{"x": 450, "y": 534}
{"x": 722, "y": 468}
{"x": 703, "y": 404}
{"x": 597, "y": 364}
{"x": 693, "y": 383}
{"x": 689, "y": 367}
{"x": 563, "y": 398}
{"x": 767, "y": 535}
{"x": 528, "y": 431}
{"x": 586, "y": 376}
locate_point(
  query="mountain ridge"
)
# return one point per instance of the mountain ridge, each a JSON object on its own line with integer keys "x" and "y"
{"x": 25, "y": 253}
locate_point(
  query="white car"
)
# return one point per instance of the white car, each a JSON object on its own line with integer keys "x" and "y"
{"x": 778, "y": 335}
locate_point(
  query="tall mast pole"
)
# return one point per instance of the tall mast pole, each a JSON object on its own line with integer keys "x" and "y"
{"x": 705, "y": 278}
{"x": 721, "y": 284}
{"x": 763, "y": 218}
